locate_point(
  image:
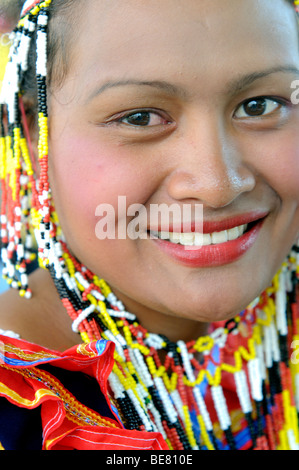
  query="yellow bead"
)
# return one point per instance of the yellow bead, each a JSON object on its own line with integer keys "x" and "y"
{"x": 188, "y": 426}
{"x": 85, "y": 337}
{"x": 205, "y": 343}
{"x": 151, "y": 365}
{"x": 204, "y": 434}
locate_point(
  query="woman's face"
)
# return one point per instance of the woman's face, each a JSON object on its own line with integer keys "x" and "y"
{"x": 186, "y": 103}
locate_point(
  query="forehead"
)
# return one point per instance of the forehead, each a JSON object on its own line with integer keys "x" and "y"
{"x": 149, "y": 38}
{"x": 119, "y": 19}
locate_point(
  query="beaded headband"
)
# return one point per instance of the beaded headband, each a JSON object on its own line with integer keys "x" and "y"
{"x": 28, "y": 5}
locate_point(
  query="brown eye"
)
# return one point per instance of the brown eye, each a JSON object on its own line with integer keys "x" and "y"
{"x": 143, "y": 118}
{"x": 138, "y": 119}
{"x": 257, "y": 107}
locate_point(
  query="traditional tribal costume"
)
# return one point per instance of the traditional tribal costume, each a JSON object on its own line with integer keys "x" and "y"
{"x": 237, "y": 388}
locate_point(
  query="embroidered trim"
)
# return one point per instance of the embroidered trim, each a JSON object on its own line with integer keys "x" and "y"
{"x": 75, "y": 411}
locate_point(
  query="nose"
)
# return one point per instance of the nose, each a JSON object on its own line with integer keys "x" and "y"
{"x": 210, "y": 167}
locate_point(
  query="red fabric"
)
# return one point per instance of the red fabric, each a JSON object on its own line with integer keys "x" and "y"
{"x": 64, "y": 419}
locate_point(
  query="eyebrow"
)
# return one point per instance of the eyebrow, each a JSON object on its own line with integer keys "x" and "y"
{"x": 159, "y": 84}
{"x": 234, "y": 86}
{"x": 245, "y": 81}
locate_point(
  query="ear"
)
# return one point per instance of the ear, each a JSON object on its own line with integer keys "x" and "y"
{"x": 30, "y": 126}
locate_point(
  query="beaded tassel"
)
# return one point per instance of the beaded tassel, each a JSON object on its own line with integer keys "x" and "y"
{"x": 19, "y": 194}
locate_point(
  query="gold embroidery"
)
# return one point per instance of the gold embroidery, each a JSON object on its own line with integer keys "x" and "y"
{"x": 76, "y": 412}
{"x": 9, "y": 348}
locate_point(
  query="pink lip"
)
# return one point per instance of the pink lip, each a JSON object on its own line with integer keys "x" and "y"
{"x": 214, "y": 255}
{"x": 212, "y": 226}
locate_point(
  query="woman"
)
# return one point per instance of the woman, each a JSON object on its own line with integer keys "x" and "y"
{"x": 185, "y": 104}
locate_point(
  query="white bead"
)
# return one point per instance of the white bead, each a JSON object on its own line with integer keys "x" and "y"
{"x": 219, "y": 336}
{"x": 202, "y": 408}
{"x": 18, "y": 211}
{"x": 260, "y": 355}
{"x": 281, "y": 301}
{"x": 24, "y": 280}
{"x": 4, "y": 255}
{"x": 168, "y": 406}
{"x": 20, "y": 251}
{"x": 28, "y": 295}
{"x": 111, "y": 298}
{"x": 185, "y": 357}
{"x": 140, "y": 411}
{"x": 274, "y": 343}
{"x": 116, "y": 386}
{"x": 242, "y": 391}
{"x": 292, "y": 440}
{"x": 141, "y": 366}
{"x": 122, "y": 314}
{"x": 58, "y": 250}
{"x": 57, "y": 267}
{"x": 82, "y": 316}
{"x": 41, "y": 61}
{"x": 221, "y": 407}
{"x": 121, "y": 307}
{"x": 23, "y": 52}
{"x": 97, "y": 295}
{"x": 118, "y": 346}
{"x": 267, "y": 346}
{"x": 42, "y": 19}
{"x": 178, "y": 404}
{"x": 255, "y": 379}
{"x": 157, "y": 419}
{"x": 26, "y": 6}
{"x": 154, "y": 341}
{"x": 81, "y": 280}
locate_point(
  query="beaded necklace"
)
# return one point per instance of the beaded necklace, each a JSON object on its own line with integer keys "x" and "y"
{"x": 183, "y": 396}
{"x": 177, "y": 389}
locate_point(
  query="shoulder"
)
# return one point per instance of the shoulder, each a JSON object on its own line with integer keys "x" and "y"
{"x": 41, "y": 319}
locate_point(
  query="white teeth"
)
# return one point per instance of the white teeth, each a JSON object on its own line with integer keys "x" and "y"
{"x": 206, "y": 239}
{"x": 174, "y": 237}
{"x": 233, "y": 233}
{"x": 164, "y": 235}
{"x": 219, "y": 237}
{"x": 187, "y": 238}
{"x": 201, "y": 239}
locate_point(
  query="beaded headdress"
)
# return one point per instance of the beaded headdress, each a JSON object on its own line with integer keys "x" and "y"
{"x": 182, "y": 397}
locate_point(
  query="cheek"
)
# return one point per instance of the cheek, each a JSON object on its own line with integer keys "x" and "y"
{"x": 277, "y": 161}
{"x": 285, "y": 170}
{"x": 84, "y": 174}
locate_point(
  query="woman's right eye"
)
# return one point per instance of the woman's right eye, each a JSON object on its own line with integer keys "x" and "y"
{"x": 143, "y": 119}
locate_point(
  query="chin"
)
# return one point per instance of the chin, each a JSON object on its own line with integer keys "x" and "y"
{"x": 218, "y": 308}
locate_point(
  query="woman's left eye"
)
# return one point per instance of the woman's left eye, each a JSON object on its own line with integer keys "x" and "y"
{"x": 143, "y": 119}
{"x": 257, "y": 107}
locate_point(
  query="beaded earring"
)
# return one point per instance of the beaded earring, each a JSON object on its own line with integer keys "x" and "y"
{"x": 183, "y": 397}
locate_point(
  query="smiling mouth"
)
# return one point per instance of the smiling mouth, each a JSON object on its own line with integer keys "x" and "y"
{"x": 219, "y": 243}
{"x": 202, "y": 239}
